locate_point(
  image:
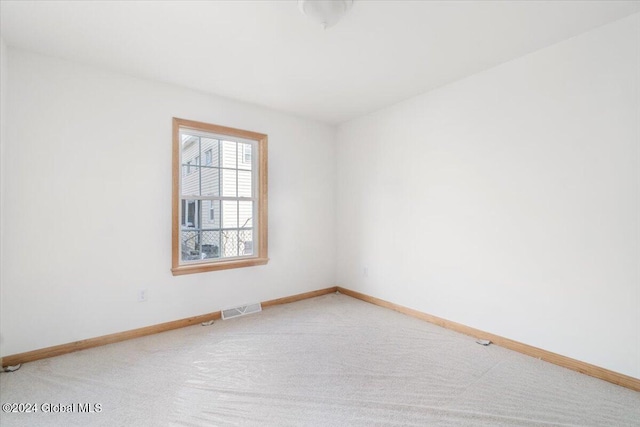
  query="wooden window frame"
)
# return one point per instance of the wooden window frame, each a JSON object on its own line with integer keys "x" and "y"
{"x": 261, "y": 256}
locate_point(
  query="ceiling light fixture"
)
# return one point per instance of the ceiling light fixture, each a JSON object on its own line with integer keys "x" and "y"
{"x": 327, "y": 13}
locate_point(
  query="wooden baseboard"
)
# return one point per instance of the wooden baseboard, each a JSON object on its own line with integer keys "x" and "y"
{"x": 557, "y": 359}
{"x": 548, "y": 356}
{"x": 58, "y": 350}
{"x": 298, "y": 297}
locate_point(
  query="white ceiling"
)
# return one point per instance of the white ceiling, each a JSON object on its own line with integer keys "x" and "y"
{"x": 268, "y": 53}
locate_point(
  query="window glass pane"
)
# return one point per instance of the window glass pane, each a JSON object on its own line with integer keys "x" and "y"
{"x": 190, "y": 182}
{"x": 210, "y": 214}
{"x": 190, "y": 147}
{"x": 229, "y": 214}
{"x": 229, "y": 243}
{"x": 244, "y": 156}
{"x": 229, "y": 182}
{"x": 246, "y": 242}
{"x": 210, "y": 244}
{"x": 210, "y": 181}
{"x": 244, "y": 183}
{"x": 190, "y": 159}
{"x": 189, "y": 217}
{"x": 189, "y": 245}
{"x": 210, "y": 150}
{"x": 245, "y": 214}
{"x": 229, "y": 154}
{"x": 200, "y": 244}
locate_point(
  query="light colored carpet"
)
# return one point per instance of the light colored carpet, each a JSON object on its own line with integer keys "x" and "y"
{"x": 327, "y": 361}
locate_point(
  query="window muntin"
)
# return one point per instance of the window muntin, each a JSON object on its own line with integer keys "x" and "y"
{"x": 219, "y": 205}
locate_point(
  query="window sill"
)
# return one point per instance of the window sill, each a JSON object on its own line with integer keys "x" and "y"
{"x": 221, "y": 265}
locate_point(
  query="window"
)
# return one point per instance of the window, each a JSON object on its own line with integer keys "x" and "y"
{"x": 231, "y": 185}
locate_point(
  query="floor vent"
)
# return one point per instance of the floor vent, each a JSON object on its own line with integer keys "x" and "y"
{"x": 241, "y": 311}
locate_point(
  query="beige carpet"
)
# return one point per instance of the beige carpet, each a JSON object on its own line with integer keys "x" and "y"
{"x": 327, "y": 361}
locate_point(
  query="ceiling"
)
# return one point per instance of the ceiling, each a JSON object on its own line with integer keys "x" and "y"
{"x": 268, "y": 53}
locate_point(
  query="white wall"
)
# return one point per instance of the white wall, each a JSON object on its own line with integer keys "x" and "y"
{"x": 508, "y": 201}
{"x": 88, "y": 159}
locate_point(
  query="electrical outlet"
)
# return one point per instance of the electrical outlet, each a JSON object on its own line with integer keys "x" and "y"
{"x": 142, "y": 295}
{"x": 365, "y": 271}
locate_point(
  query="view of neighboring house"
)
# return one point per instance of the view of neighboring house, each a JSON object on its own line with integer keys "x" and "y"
{"x": 217, "y": 199}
